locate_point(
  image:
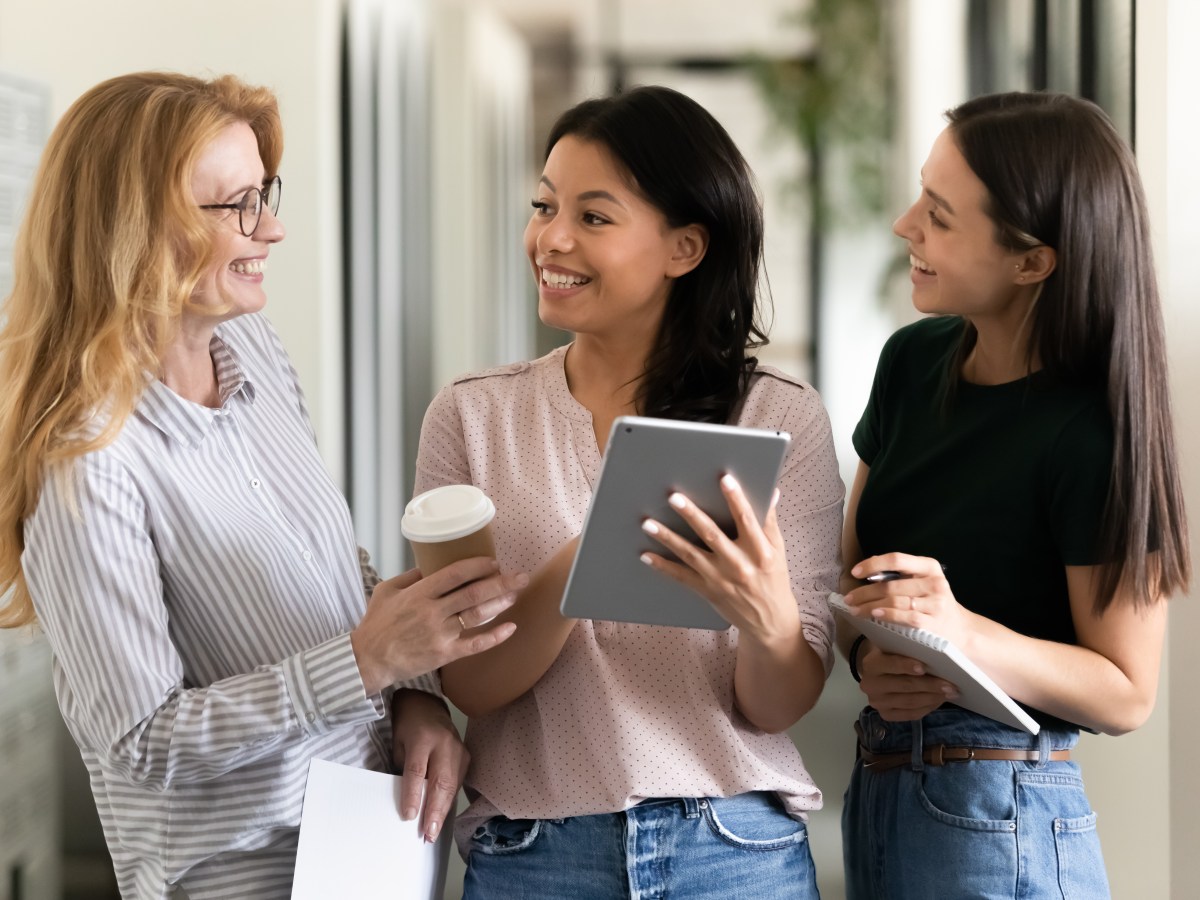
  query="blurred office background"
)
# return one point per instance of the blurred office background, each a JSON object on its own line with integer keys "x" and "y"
{"x": 414, "y": 132}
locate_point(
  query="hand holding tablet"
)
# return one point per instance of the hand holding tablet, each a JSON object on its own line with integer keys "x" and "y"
{"x": 647, "y": 462}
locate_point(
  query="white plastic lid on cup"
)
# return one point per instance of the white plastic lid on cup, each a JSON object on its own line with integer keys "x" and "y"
{"x": 446, "y": 513}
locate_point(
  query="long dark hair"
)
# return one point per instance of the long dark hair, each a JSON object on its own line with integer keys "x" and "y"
{"x": 680, "y": 159}
{"x": 1058, "y": 173}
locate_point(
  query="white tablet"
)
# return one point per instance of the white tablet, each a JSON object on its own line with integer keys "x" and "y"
{"x": 646, "y": 461}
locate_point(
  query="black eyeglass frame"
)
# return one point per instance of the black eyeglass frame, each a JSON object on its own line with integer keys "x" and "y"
{"x": 267, "y": 195}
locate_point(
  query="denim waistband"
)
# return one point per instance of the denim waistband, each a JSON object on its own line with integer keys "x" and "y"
{"x": 691, "y": 806}
{"x": 955, "y": 727}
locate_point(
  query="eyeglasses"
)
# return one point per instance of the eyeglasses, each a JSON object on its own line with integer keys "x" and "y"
{"x": 250, "y": 207}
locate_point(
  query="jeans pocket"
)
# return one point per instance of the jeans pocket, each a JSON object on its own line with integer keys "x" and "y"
{"x": 1080, "y": 866}
{"x": 499, "y": 836}
{"x": 754, "y": 821}
{"x": 976, "y": 796}
{"x": 1058, "y": 835}
{"x": 956, "y": 833}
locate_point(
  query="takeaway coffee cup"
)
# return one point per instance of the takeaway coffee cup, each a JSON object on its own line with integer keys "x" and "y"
{"x": 447, "y": 524}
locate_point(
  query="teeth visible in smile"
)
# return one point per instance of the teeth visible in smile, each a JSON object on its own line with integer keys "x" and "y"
{"x": 920, "y": 265}
{"x": 562, "y": 279}
{"x": 249, "y": 267}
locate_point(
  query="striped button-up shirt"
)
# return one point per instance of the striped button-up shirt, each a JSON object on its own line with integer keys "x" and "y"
{"x": 197, "y": 580}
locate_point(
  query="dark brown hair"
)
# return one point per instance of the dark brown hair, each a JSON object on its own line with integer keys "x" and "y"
{"x": 1058, "y": 173}
{"x": 680, "y": 159}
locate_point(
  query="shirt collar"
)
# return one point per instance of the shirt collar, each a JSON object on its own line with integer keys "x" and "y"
{"x": 189, "y": 422}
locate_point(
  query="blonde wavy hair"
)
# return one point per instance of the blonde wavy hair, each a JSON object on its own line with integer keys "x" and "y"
{"x": 110, "y": 250}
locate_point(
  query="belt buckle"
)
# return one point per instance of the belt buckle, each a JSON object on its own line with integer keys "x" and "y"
{"x": 938, "y": 757}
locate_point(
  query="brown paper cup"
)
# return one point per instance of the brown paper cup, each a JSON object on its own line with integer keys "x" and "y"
{"x": 434, "y": 556}
{"x": 447, "y": 524}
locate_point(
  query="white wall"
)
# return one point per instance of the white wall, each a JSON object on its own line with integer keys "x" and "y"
{"x": 1167, "y": 134}
{"x": 1144, "y": 785}
{"x": 483, "y": 301}
{"x": 288, "y": 45}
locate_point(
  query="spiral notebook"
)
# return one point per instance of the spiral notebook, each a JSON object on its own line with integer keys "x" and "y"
{"x": 976, "y": 690}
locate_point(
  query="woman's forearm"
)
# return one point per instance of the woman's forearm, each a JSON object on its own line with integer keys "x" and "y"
{"x": 1094, "y": 688}
{"x": 488, "y": 681}
{"x": 775, "y": 684}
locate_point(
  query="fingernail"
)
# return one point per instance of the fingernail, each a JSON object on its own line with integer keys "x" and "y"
{"x": 645, "y": 557}
{"x": 677, "y": 500}
{"x": 729, "y": 482}
{"x": 649, "y": 526}
{"x": 408, "y": 814}
{"x": 434, "y": 827}
{"x": 522, "y": 580}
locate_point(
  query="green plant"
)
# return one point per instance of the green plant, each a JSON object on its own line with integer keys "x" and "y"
{"x": 835, "y": 99}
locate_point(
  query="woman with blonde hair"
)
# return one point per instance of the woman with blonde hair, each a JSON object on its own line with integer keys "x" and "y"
{"x": 165, "y": 516}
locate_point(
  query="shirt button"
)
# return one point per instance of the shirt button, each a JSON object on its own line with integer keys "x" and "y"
{"x": 254, "y": 483}
{"x": 307, "y": 556}
{"x": 311, "y": 717}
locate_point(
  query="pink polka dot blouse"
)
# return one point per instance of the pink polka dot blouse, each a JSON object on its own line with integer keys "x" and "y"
{"x": 626, "y": 712}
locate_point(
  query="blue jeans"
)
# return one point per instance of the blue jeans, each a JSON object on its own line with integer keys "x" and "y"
{"x": 738, "y": 847}
{"x": 980, "y": 829}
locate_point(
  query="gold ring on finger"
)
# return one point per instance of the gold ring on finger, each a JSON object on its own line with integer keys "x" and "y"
{"x": 461, "y": 623}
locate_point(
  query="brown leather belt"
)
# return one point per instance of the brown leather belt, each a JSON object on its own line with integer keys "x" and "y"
{"x": 940, "y": 754}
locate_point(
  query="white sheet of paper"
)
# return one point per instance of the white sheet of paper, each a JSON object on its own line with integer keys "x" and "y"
{"x": 353, "y": 842}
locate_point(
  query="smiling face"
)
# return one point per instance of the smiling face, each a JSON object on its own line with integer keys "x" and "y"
{"x": 957, "y": 265}
{"x": 604, "y": 258}
{"x": 225, "y": 170}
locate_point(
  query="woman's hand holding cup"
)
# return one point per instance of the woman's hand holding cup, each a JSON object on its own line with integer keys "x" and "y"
{"x": 437, "y": 613}
{"x": 414, "y": 625}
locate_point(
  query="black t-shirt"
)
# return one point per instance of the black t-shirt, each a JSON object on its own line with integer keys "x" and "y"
{"x": 1004, "y": 485}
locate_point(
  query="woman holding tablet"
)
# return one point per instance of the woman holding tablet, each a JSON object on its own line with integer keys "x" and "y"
{"x": 1023, "y": 440}
{"x": 612, "y": 757}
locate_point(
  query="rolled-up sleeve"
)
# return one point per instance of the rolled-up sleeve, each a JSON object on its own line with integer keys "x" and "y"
{"x": 810, "y": 506}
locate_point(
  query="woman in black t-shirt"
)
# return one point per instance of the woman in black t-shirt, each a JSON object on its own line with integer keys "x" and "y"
{"x": 1018, "y": 477}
